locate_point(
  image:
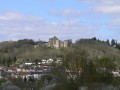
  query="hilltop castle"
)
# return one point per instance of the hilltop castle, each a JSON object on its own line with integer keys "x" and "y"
{"x": 56, "y": 43}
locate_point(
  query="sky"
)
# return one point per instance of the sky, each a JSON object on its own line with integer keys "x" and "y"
{"x": 66, "y": 19}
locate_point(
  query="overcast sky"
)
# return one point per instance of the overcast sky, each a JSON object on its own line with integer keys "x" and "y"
{"x": 66, "y": 19}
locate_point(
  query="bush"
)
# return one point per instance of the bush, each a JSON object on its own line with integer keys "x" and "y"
{"x": 9, "y": 86}
{"x": 116, "y": 81}
{"x": 2, "y": 81}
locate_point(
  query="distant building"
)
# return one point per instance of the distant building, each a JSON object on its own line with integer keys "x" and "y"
{"x": 67, "y": 43}
{"x": 52, "y": 41}
{"x": 28, "y": 63}
{"x": 56, "y": 43}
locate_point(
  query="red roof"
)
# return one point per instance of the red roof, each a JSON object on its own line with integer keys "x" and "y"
{"x": 24, "y": 73}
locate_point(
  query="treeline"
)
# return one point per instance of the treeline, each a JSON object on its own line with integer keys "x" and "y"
{"x": 113, "y": 42}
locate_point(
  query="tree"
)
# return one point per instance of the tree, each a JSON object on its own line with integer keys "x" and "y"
{"x": 14, "y": 59}
{"x": 76, "y": 61}
{"x": 107, "y": 42}
{"x": 105, "y": 66}
{"x": 118, "y": 46}
{"x": 8, "y": 61}
{"x": 36, "y": 61}
{"x": 113, "y": 42}
{"x": 91, "y": 72}
{"x": 94, "y": 38}
{"x": 25, "y": 79}
{"x": 31, "y": 79}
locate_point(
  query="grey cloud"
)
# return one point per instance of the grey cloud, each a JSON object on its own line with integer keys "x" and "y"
{"x": 113, "y": 10}
{"x": 103, "y": 6}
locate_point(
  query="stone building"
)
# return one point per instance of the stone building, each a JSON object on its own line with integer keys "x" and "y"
{"x": 59, "y": 44}
{"x": 52, "y": 41}
{"x": 67, "y": 43}
{"x": 56, "y": 43}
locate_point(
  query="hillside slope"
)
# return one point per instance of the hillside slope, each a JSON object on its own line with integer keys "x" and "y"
{"x": 97, "y": 49}
{"x": 11, "y": 51}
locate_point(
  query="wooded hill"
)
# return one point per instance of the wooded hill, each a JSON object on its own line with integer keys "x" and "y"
{"x": 99, "y": 49}
{"x": 30, "y": 50}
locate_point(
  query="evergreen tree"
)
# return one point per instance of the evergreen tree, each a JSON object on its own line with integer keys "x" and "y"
{"x": 25, "y": 79}
{"x": 113, "y": 42}
{"x": 107, "y": 42}
{"x": 94, "y": 38}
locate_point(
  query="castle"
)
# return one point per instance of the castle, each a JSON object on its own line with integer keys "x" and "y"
{"x": 56, "y": 43}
